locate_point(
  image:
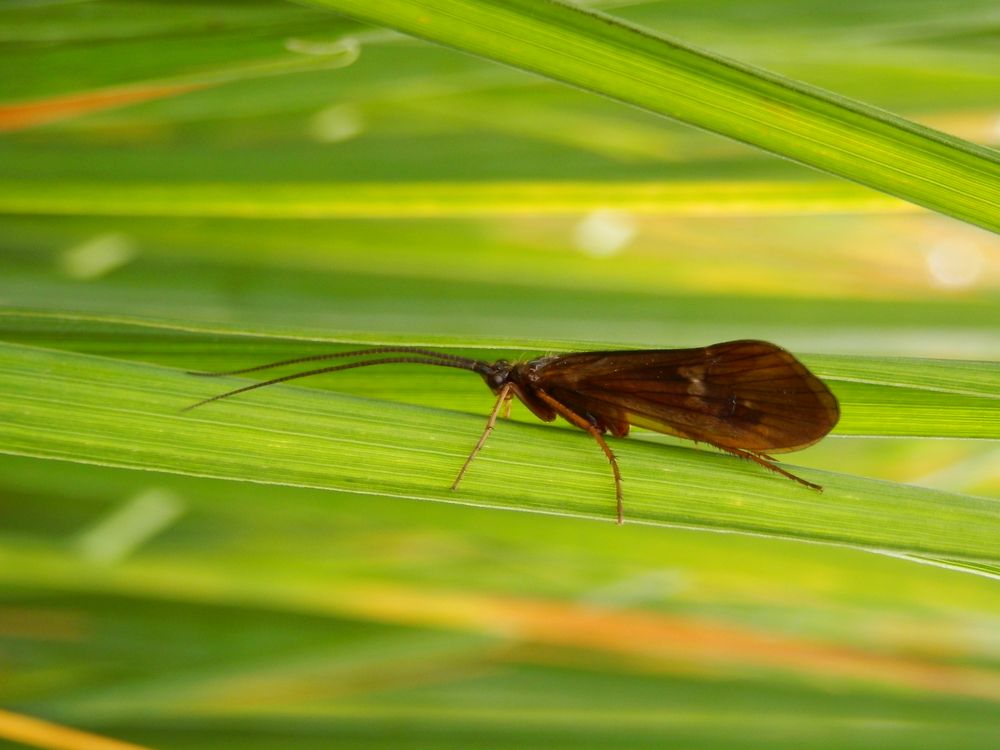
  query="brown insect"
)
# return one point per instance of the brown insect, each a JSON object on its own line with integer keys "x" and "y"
{"x": 748, "y": 398}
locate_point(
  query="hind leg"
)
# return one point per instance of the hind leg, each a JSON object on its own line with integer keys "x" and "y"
{"x": 769, "y": 463}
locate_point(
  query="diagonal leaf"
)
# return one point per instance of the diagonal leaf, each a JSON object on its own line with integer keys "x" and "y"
{"x": 605, "y": 55}
{"x": 22, "y": 115}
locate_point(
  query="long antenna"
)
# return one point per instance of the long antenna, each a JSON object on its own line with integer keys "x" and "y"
{"x": 460, "y": 363}
{"x": 469, "y": 363}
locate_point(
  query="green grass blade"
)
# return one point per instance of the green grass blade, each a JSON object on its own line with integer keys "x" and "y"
{"x": 879, "y": 396}
{"x": 817, "y": 128}
{"x": 94, "y": 410}
{"x": 439, "y": 199}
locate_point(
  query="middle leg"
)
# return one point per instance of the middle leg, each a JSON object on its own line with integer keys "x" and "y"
{"x": 573, "y": 418}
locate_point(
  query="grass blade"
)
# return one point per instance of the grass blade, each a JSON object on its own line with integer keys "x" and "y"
{"x": 439, "y": 199}
{"x": 108, "y": 412}
{"x": 604, "y": 55}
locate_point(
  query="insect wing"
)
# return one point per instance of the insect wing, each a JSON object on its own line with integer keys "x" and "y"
{"x": 749, "y": 395}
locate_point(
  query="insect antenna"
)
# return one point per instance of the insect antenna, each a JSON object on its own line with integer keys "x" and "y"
{"x": 460, "y": 363}
{"x": 471, "y": 363}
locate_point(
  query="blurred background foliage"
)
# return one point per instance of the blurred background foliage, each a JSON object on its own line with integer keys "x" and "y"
{"x": 215, "y": 184}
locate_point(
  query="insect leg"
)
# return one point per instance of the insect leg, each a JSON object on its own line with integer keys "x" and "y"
{"x": 506, "y": 406}
{"x": 574, "y": 418}
{"x": 505, "y": 395}
{"x": 769, "y": 463}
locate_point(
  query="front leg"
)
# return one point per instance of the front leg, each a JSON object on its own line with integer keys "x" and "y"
{"x": 503, "y": 397}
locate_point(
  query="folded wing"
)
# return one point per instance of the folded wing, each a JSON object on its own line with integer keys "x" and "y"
{"x": 749, "y": 395}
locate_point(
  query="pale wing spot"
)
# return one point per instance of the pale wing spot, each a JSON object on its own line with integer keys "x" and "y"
{"x": 695, "y": 375}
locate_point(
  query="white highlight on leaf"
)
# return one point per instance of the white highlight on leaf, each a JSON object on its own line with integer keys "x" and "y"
{"x": 139, "y": 519}
{"x": 348, "y": 47}
{"x": 955, "y": 263}
{"x": 604, "y": 233}
{"x": 97, "y": 256}
{"x": 340, "y": 122}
